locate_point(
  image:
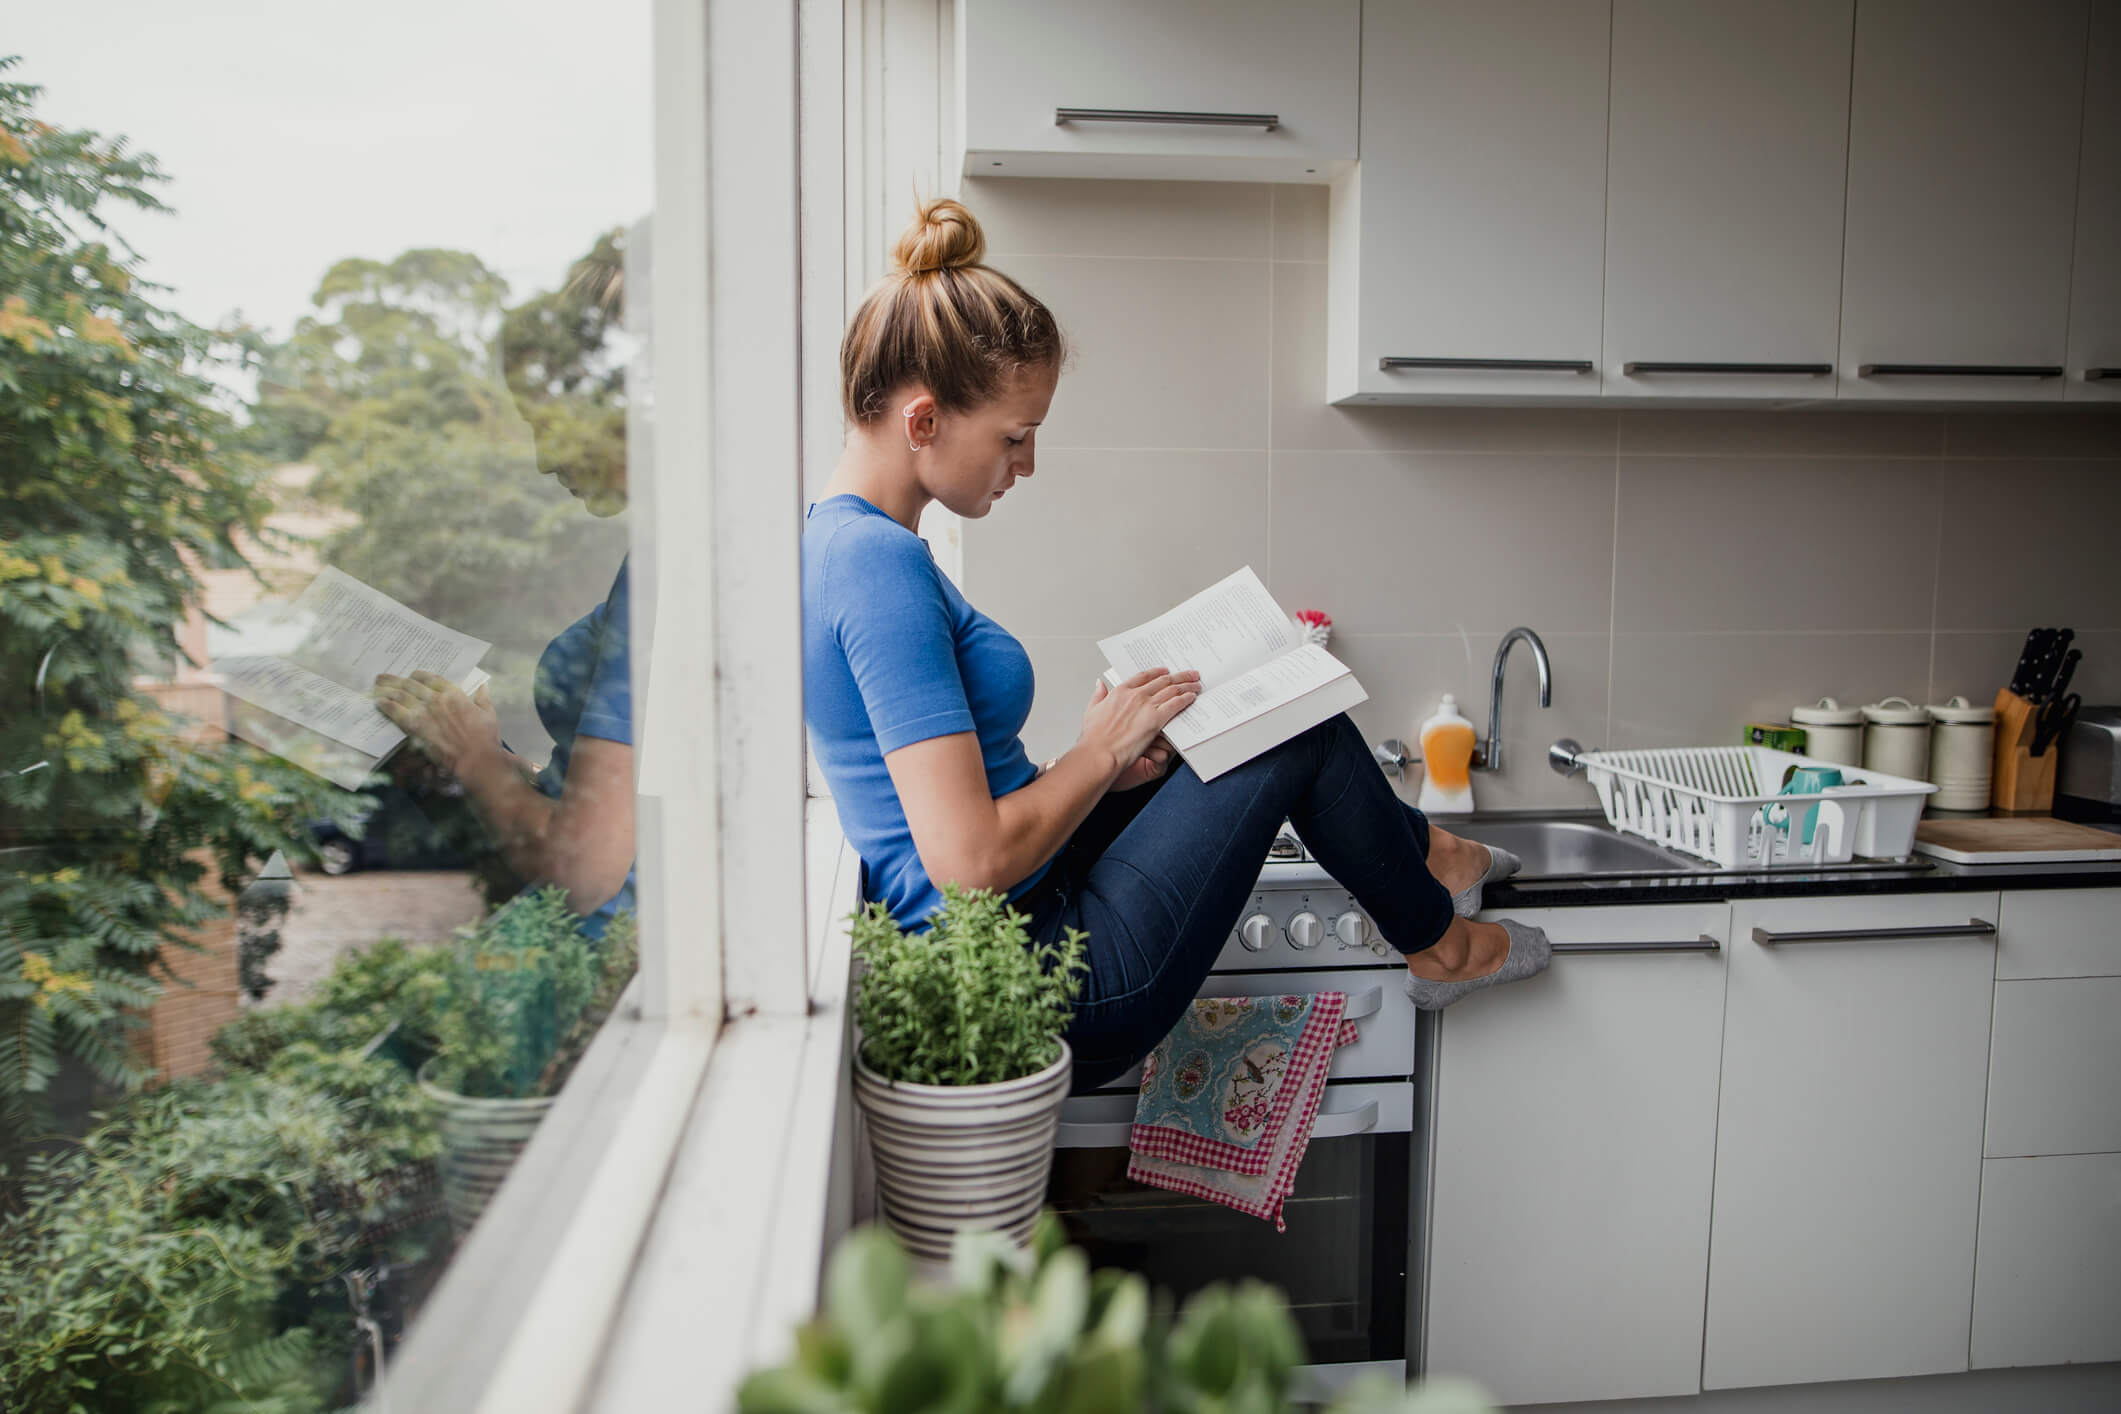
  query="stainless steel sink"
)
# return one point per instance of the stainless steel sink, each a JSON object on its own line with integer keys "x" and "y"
{"x": 1572, "y": 848}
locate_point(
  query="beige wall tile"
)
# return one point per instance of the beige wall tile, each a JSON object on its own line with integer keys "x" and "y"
{"x": 1299, "y": 222}
{"x": 1097, "y": 541}
{"x": 1186, "y": 220}
{"x": 2028, "y": 543}
{"x": 1739, "y": 543}
{"x": 1303, "y": 421}
{"x": 1167, "y": 353}
{"x": 1700, "y": 689}
{"x": 1407, "y": 676}
{"x": 2048, "y": 432}
{"x": 1835, "y": 432}
{"x": 1417, "y": 542}
{"x": 1975, "y": 665}
{"x": 1065, "y": 670}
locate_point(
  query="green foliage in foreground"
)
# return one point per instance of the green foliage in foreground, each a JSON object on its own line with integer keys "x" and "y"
{"x": 971, "y": 1001}
{"x": 183, "y": 1256}
{"x": 1041, "y": 1332}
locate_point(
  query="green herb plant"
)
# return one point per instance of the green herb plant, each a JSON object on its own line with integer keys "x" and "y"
{"x": 971, "y": 1001}
{"x": 1040, "y": 1331}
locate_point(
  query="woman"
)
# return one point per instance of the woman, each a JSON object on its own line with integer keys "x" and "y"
{"x": 914, "y": 700}
{"x": 570, "y": 824}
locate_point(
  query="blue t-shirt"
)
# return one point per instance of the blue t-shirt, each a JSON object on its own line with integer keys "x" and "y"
{"x": 892, "y": 655}
{"x": 584, "y": 688}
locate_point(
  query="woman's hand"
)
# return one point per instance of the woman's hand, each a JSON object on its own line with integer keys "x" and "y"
{"x": 1148, "y": 766}
{"x": 448, "y": 727}
{"x": 1124, "y": 722}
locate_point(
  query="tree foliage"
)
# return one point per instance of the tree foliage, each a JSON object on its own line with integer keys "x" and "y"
{"x": 119, "y": 482}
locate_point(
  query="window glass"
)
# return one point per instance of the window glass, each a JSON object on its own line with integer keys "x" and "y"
{"x": 321, "y": 385}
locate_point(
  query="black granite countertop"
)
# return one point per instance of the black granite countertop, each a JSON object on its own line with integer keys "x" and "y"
{"x": 1918, "y": 876}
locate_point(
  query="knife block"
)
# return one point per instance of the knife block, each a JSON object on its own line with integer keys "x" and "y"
{"x": 2022, "y": 783}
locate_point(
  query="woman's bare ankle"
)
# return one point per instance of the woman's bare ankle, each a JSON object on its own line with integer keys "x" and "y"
{"x": 1457, "y": 864}
{"x": 1465, "y": 951}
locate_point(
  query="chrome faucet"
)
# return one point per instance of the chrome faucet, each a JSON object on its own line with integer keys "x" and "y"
{"x": 1488, "y": 756}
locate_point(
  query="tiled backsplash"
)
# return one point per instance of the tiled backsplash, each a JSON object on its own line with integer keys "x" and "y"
{"x": 1690, "y": 570}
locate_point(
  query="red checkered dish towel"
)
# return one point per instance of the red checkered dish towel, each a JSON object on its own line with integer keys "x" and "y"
{"x": 1228, "y": 1098}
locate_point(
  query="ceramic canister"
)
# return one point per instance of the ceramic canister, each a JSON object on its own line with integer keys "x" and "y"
{"x": 1832, "y": 732}
{"x": 1896, "y": 739}
{"x": 1962, "y": 754}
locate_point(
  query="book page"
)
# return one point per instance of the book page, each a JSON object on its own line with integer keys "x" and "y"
{"x": 1223, "y": 632}
{"x": 1272, "y": 683}
{"x": 357, "y": 632}
{"x": 309, "y": 700}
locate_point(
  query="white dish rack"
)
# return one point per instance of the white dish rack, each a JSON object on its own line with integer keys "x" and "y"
{"x": 1722, "y": 804}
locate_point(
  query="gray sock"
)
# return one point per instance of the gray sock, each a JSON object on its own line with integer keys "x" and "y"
{"x": 1529, "y": 954}
{"x": 1501, "y": 865}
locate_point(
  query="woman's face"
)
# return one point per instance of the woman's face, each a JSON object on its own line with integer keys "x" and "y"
{"x": 968, "y": 460}
{"x": 600, "y": 487}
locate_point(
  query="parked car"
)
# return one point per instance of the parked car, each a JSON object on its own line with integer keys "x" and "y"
{"x": 397, "y": 834}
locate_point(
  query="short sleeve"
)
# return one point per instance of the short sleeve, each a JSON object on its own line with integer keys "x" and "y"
{"x": 607, "y": 707}
{"x": 887, "y": 611}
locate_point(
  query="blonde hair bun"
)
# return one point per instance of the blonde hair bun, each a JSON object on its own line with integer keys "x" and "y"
{"x": 942, "y": 236}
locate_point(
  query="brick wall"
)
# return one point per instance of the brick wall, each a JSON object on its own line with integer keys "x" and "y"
{"x": 204, "y": 997}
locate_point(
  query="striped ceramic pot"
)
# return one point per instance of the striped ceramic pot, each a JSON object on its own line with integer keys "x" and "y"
{"x": 480, "y": 1141}
{"x": 961, "y": 1157}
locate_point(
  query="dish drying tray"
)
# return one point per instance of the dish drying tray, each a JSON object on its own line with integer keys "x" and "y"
{"x": 1716, "y": 803}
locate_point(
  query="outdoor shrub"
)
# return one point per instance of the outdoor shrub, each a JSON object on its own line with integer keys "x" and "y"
{"x": 154, "y": 1266}
{"x": 969, "y": 1002}
{"x": 518, "y": 982}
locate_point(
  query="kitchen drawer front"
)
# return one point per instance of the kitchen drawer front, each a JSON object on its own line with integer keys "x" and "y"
{"x": 1386, "y": 1048}
{"x": 2047, "y": 1292}
{"x": 2053, "y": 1069}
{"x": 2060, "y": 933}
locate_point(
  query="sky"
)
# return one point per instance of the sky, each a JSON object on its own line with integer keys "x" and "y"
{"x": 297, "y": 134}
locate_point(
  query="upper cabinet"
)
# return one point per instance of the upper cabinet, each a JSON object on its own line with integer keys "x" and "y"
{"x": 1222, "y": 90}
{"x": 1467, "y": 250}
{"x": 1964, "y": 134}
{"x": 2095, "y": 293}
{"x": 1724, "y": 186}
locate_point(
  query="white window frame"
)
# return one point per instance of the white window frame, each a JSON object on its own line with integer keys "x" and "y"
{"x": 665, "y": 1228}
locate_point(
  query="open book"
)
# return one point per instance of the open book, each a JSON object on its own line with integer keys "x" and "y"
{"x": 1260, "y": 683}
{"x": 312, "y": 704}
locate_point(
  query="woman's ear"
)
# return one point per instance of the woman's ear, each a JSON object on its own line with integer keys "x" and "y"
{"x": 919, "y": 415}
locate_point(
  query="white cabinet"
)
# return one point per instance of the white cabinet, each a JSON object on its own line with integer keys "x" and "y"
{"x": 2054, "y": 1084}
{"x": 1848, "y": 1143}
{"x": 1574, "y": 1145}
{"x": 2050, "y": 1249}
{"x": 1467, "y": 251}
{"x": 1964, "y": 127}
{"x": 2095, "y": 291}
{"x": 1230, "y": 90}
{"x": 2060, "y": 933}
{"x": 1725, "y": 172}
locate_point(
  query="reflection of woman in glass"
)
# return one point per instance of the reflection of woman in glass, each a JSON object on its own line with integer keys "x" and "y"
{"x": 570, "y": 824}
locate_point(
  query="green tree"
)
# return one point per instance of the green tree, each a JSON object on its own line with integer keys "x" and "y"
{"x": 118, "y": 483}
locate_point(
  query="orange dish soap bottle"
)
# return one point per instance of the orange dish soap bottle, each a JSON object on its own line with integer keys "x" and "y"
{"x": 1447, "y": 761}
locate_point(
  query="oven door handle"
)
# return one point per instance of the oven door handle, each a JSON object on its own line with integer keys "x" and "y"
{"x": 1367, "y": 1002}
{"x": 1329, "y": 1124}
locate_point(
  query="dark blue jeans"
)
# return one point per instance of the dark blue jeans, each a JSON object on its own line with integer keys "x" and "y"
{"x": 1158, "y": 875}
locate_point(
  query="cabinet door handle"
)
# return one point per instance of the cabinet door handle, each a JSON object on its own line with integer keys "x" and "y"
{"x": 2093, "y": 375}
{"x": 1704, "y": 943}
{"x": 1504, "y": 365}
{"x": 1808, "y": 370}
{"x": 1064, "y": 116}
{"x": 1972, "y": 928}
{"x": 1959, "y": 370}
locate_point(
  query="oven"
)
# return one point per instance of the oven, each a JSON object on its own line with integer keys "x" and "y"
{"x": 1344, "y": 1261}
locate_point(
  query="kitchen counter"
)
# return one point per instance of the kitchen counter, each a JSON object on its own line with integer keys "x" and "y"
{"x": 1920, "y": 875}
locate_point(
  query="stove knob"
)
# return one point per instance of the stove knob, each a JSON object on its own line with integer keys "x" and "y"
{"x": 1382, "y": 948}
{"x": 1306, "y": 931}
{"x": 1352, "y": 929}
{"x": 1256, "y": 932}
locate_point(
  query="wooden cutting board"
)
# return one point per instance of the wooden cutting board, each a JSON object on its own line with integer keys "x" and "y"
{"x": 2033, "y": 841}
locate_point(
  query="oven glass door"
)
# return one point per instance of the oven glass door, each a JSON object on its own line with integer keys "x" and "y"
{"x": 1342, "y": 1264}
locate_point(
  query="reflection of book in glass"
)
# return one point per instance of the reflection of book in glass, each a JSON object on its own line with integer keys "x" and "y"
{"x": 1260, "y": 682}
{"x": 312, "y": 704}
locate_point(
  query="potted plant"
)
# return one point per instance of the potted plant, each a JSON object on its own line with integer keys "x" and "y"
{"x": 1041, "y": 1331}
{"x": 959, "y": 1066}
{"x": 527, "y": 993}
